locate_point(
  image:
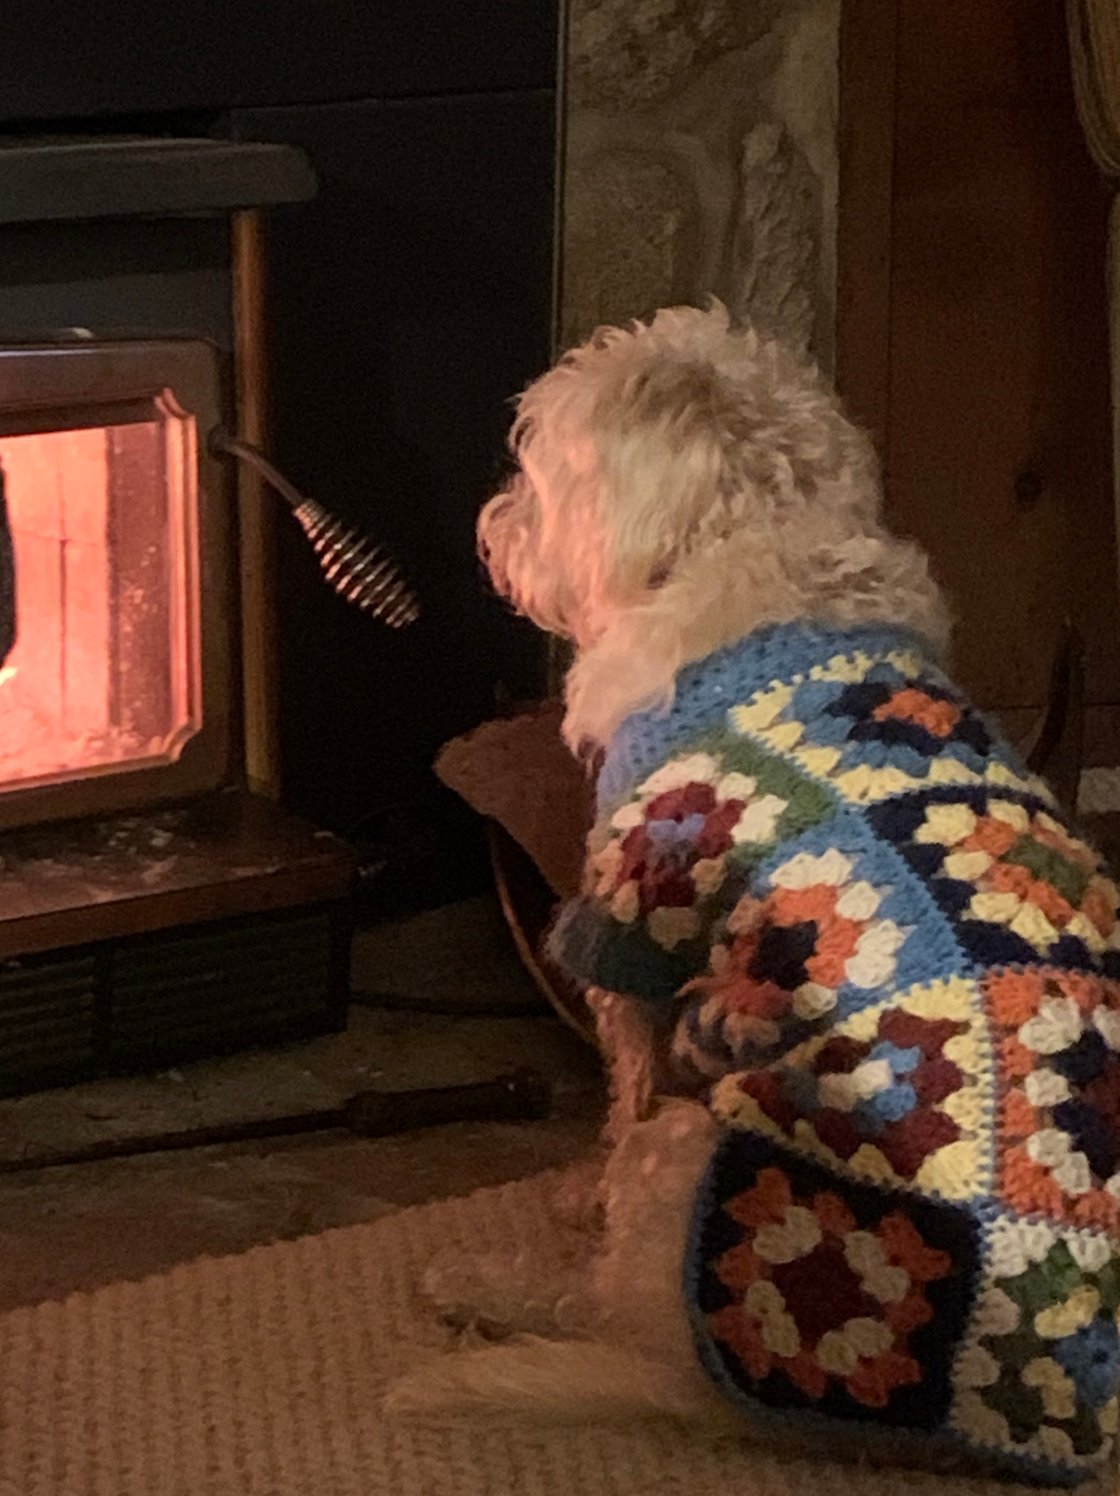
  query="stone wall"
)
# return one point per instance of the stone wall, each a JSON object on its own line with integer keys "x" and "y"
{"x": 701, "y": 158}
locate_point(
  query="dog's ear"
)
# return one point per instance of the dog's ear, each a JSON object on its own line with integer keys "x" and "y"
{"x": 664, "y": 442}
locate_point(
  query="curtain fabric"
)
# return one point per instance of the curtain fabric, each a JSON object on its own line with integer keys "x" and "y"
{"x": 1094, "y": 38}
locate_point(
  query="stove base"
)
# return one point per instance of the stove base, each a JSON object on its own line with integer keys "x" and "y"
{"x": 147, "y": 941}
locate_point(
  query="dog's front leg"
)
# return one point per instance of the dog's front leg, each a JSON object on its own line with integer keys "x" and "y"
{"x": 499, "y": 1295}
{"x": 628, "y": 1041}
{"x": 633, "y": 1356}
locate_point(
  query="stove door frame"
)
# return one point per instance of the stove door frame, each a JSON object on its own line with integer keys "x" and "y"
{"x": 79, "y": 383}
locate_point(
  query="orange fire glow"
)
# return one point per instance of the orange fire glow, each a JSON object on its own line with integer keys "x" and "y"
{"x": 94, "y": 637}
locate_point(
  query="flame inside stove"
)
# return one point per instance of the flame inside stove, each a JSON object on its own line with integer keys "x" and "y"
{"x": 91, "y": 680}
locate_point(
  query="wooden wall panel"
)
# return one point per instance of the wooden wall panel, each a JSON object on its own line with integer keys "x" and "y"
{"x": 989, "y": 385}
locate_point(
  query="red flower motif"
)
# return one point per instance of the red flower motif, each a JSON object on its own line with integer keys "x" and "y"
{"x": 687, "y": 800}
{"x": 841, "y": 1314}
{"x": 662, "y": 866}
{"x": 905, "y": 1141}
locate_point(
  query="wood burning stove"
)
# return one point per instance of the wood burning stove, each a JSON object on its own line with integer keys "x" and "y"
{"x": 155, "y": 900}
{"x": 116, "y": 691}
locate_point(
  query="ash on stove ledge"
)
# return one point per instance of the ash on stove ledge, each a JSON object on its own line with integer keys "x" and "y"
{"x": 145, "y": 940}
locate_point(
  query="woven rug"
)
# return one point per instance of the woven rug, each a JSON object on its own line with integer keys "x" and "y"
{"x": 260, "y": 1375}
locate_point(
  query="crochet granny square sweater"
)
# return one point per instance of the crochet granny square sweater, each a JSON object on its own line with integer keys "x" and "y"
{"x": 894, "y": 973}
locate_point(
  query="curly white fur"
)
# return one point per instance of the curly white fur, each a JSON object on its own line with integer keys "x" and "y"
{"x": 629, "y": 1347}
{"x": 681, "y": 484}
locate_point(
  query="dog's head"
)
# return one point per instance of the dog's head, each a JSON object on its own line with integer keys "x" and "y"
{"x": 679, "y": 483}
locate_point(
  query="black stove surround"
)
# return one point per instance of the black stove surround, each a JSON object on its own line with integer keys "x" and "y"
{"x": 404, "y": 153}
{"x": 406, "y": 303}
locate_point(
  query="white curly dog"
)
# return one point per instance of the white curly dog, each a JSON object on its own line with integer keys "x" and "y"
{"x": 681, "y": 485}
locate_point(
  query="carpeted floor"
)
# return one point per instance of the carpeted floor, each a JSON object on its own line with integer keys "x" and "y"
{"x": 260, "y": 1375}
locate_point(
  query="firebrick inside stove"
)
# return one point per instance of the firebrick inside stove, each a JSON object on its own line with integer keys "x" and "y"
{"x": 156, "y": 902}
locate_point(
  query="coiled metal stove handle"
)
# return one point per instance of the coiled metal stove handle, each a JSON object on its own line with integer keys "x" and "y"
{"x": 359, "y": 570}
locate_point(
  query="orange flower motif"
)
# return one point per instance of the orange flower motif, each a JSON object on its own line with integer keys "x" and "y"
{"x": 743, "y": 1335}
{"x": 1060, "y": 1083}
{"x": 1086, "y": 991}
{"x": 905, "y": 1248}
{"x": 1019, "y": 1116}
{"x": 1099, "y": 1210}
{"x": 910, "y": 1313}
{"x": 1018, "y": 1060}
{"x": 739, "y": 1267}
{"x": 776, "y": 971}
{"x": 833, "y": 1214}
{"x": 992, "y": 836}
{"x": 1029, "y": 1186}
{"x": 766, "y": 1202}
{"x": 837, "y": 937}
{"x": 873, "y": 1381}
{"x": 1009, "y": 877}
{"x": 1098, "y": 907}
{"x": 791, "y": 906}
{"x": 804, "y": 1372}
{"x": 1044, "y": 896}
{"x": 912, "y": 705}
{"x": 1014, "y": 999}
{"x": 835, "y": 945}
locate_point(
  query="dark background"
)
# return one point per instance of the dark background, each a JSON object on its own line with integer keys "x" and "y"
{"x": 409, "y": 302}
{"x": 59, "y": 59}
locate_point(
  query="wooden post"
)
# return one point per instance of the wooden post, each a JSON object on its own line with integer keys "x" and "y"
{"x": 256, "y": 514}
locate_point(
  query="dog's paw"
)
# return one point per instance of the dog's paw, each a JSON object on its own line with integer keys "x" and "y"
{"x": 418, "y": 1394}
{"x": 577, "y": 1204}
{"x": 470, "y": 1380}
{"x": 464, "y": 1300}
{"x": 459, "y": 1289}
{"x": 495, "y": 1296}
